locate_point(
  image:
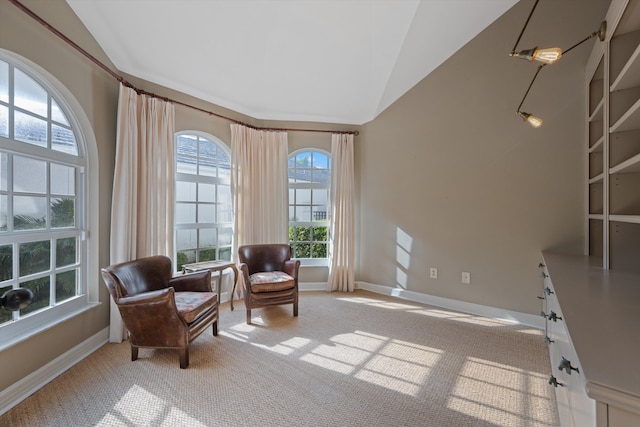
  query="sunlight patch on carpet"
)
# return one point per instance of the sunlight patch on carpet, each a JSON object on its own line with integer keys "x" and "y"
{"x": 466, "y": 318}
{"x": 501, "y": 394}
{"x": 396, "y": 365}
{"x": 381, "y": 304}
{"x": 141, "y": 408}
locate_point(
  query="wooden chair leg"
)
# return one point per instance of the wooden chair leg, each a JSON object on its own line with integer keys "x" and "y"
{"x": 134, "y": 353}
{"x": 295, "y": 309}
{"x": 248, "y": 316}
{"x": 215, "y": 328}
{"x": 184, "y": 357}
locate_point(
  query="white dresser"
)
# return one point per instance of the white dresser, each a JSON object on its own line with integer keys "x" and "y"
{"x": 597, "y": 331}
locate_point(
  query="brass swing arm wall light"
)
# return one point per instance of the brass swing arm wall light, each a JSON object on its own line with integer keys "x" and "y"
{"x": 545, "y": 56}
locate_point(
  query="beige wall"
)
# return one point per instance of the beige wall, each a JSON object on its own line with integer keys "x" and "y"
{"x": 453, "y": 169}
{"x": 449, "y": 164}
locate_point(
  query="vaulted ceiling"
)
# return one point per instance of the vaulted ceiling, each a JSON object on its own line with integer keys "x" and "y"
{"x": 336, "y": 61}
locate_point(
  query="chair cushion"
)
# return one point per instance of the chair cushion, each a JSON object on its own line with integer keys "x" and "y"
{"x": 270, "y": 281}
{"x": 192, "y": 305}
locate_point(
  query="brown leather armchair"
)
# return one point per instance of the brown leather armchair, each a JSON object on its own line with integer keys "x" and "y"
{"x": 270, "y": 276}
{"x": 161, "y": 311}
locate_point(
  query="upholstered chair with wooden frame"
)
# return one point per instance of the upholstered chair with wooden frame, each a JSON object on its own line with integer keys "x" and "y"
{"x": 159, "y": 310}
{"x": 270, "y": 276}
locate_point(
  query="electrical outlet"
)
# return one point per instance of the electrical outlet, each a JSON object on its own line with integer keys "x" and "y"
{"x": 466, "y": 278}
{"x": 433, "y": 273}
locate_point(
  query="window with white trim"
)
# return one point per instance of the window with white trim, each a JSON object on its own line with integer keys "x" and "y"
{"x": 42, "y": 193}
{"x": 203, "y": 216}
{"x": 309, "y": 184}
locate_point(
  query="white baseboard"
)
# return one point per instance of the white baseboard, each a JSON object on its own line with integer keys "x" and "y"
{"x": 462, "y": 306}
{"x": 28, "y": 385}
{"x": 312, "y": 286}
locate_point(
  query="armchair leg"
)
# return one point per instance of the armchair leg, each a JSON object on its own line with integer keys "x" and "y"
{"x": 215, "y": 328}
{"x": 295, "y": 309}
{"x": 248, "y": 316}
{"x": 184, "y": 357}
{"x": 134, "y": 353}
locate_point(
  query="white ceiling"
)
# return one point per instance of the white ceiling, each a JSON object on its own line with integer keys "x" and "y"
{"x": 336, "y": 61}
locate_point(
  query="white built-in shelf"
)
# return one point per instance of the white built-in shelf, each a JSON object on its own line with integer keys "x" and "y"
{"x": 597, "y": 112}
{"x": 596, "y": 216}
{"x": 629, "y": 120}
{"x": 633, "y": 219}
{"x": 631, "y": 165}
{"x": 630, "y": 75}
{"x": 597, "y": 146}
{"x": 596, "y": 179}
{"x": 630, "y": 20}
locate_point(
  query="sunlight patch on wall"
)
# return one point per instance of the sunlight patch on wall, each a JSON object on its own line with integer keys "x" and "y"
{"x": 503, "y": 394}
{"x": 401, "y": 278}
{"x": 138, "y": 407}
{"x": 404, "y": 243}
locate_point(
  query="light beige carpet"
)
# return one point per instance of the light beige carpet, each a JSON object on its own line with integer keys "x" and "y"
{"x": 358, "y": 359}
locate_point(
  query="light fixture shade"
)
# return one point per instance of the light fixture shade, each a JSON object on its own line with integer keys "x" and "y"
{"x": 534, "y": 121}
{"x": 546, "y": 56}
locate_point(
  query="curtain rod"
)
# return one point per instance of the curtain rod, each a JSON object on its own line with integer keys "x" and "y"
{"x": 123, "y": 81}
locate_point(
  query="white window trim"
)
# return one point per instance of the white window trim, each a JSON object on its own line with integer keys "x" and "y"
{"x": 311, "y": 262}
{"x": 40, "y": 321}
{"x": 201, "y": 179}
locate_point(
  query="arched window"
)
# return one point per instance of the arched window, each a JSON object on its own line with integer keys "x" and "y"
{"x": 204, "y": 222}
{"x": 309, "y": 183}
{"x": 42, "y": 201}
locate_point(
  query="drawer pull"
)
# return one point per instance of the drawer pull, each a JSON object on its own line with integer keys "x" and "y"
{"x": 548, "y": 340}
{"x": 551, "y": 316}
{"x": 566, "y": 366}
{"x": 546, "y": 291}
{"x": 544, "y": 275}
{"x": 541, "y": 265}
{"x": 554, "y": 382}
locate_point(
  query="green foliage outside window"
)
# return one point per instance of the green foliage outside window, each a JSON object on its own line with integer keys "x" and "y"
{"x": 35, "y": 257}
{"x": 308, "y": 241}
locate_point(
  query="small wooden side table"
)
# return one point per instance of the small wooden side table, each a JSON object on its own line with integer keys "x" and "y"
{"x": 214, "y": 266}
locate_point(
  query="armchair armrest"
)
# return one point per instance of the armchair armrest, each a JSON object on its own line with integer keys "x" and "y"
{"x": 244, "y": 271}
{"x": 200, "y": 281}
{"x": 291, "y": 267}
{"x": 150, "y": 297}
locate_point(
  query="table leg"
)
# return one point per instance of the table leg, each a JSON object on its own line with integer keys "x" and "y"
{"x": 219, "y": 285}
{"x": 235, "y": 282}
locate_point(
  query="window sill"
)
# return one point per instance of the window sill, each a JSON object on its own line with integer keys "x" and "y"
{"x": 28, "y": 327}
{"x": 310, "y": 262}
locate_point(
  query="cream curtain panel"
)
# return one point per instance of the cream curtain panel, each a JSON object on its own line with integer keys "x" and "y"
{"x": 260, "y": 187}
{"x": 342, "y": 226}
{"x": 143, "y": 199}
